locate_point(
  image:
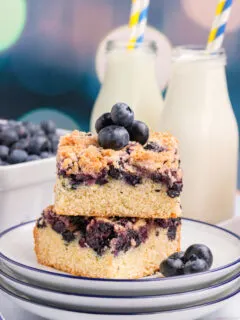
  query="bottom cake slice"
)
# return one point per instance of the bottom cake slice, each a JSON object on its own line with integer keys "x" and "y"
{"x": 94, "y": 247}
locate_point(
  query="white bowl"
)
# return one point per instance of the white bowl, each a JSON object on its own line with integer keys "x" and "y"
{"x": 60, "y": 313}
{"x": 26, "y": 189}
{"x": 118, "y": 304}
{"x": 224, "y": 244}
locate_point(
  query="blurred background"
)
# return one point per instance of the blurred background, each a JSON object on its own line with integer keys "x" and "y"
{"x": 48, "y": 49}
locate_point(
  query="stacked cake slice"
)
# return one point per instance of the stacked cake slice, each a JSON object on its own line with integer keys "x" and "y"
{"x": 116, "y": 212}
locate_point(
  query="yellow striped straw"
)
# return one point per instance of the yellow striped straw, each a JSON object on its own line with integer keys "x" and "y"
{"x": 217, "y": 32}
{"x": 133, "y": 23}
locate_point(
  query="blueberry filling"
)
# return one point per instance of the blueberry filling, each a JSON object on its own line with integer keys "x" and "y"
{"x": 41, "y": 223}
{"x": 117, "y": 234}
{"x": 174, "y": 189}
{"x": 153, "y": 146}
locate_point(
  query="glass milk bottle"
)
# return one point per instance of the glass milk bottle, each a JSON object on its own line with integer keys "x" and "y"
{"x": 198, "y": 112}
{"x": 131, "y": 78}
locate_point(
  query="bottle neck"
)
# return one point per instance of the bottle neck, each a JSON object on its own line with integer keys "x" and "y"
{"x": 130, "y": 65}
{"x": 198, "y": 82}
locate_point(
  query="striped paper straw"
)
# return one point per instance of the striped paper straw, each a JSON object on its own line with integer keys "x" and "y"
{"x": 142, "y": 22}
{"x": 217, "y": 32}
{"x": 133, "y": 23}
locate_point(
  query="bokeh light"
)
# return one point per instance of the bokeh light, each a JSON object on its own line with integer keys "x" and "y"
{"x": 61, "y": 119}
{"x": 12, "y": 21}
{"x": 202, "y": 12}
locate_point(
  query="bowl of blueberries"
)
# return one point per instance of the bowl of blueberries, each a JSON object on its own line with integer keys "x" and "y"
{"x": 27, "y": 167}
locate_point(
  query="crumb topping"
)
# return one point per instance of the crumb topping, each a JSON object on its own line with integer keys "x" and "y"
{"x": 80, "y": 153}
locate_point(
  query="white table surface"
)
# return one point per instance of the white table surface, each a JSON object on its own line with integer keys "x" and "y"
{"x": 231, "y": 311}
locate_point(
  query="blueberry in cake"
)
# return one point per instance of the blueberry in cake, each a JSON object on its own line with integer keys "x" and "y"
{"x": 112, "y": 247}
{"x": 117, "y": 211}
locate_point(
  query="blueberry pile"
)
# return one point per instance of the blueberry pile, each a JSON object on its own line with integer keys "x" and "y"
{"x": 27, "y": 141}
{"x": 117, "y": 127}
{"x": 197, "y": 258}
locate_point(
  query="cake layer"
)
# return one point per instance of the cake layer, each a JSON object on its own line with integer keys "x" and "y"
{"x": 105, "y": 248}
{"x": 139, "y": 181}
{"x": 116, "y": 198}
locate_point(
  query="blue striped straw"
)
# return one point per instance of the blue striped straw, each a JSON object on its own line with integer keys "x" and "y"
{"x": 142, "y": 22}
{"x": 217, "y": 33}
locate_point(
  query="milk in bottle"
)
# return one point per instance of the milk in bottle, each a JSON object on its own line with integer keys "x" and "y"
{"x": 131, "y": 78}
{"x": 198, "y": 112}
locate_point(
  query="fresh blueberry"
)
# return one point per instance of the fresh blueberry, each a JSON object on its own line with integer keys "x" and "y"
{"x": 3, "y": 163}
{"x": 32, "y": 128}
{"x": 113, "y": 137}
{"x": 37, "y": 145}
{"x": 21, "y": 131}
{"x": 33, "y": 157}
{"x": 122, "y": 114}
{"x": 54, "y": 140}
{"x": 195, "y": 265}
{"x": 17, "y": 156}
{"x": 21, "y": 144}
{"x": 4, "y": 126}
{"x": 177, "y": 255}
{"x": 172, "y": 266}
{"x": 4, "y": 150}
{"x": 139, "y": 132}
{"x": 45, "y": 155}
{"x": 104, "y": 121}
{"x": 8, "y": 137}
{"x": 48, "y": 126}
{"x": 39, "y": 132}
{"x": 13, "y": 123}
{"x": 201, "y": 251}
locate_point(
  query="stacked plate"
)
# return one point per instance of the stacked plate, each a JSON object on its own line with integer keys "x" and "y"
{"x": 56, "y": 295}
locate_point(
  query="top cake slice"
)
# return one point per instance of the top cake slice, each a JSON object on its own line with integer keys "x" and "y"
{"x": 142, "y": 181}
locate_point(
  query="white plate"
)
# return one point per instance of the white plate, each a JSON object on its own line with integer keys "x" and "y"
{"x": 61, "y": 313}
{"x": 16, "y": 250}
{"x": 118, "y": 304}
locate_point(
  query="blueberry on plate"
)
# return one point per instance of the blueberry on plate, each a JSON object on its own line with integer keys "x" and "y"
{"x": 8, "y": 137}
{"x": 33, "y": 157}
{"x": 48, "y": 126}
{"x": 113, "y": 137}
{"x": 4, "y": 150}
{"x": 139, "y": 132}
{"x": 195, "y": 266}
{"x": 122, "y": 114}
{"x": 173, "y": 265}
{"x": 37, "y": 145}
{"x": 201, "y": 251}
{"x": 104, "y": 121}
{"x": 17, "y": 156}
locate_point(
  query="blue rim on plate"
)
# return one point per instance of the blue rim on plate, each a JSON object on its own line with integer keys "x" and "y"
{"x": 6, "y": 291}
{"x": 29, "y": 285}
{"x": 120, "y": 280}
